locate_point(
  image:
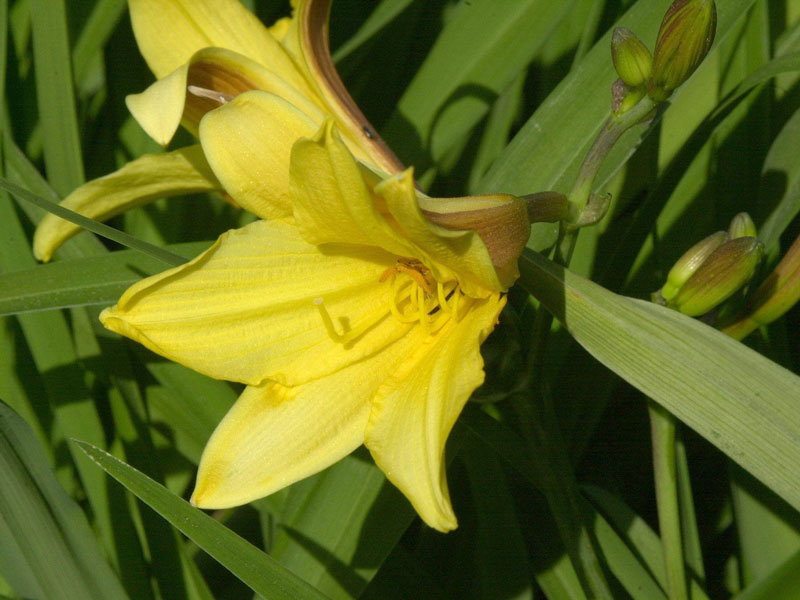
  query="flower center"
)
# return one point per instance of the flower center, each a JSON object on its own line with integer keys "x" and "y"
{"x": 415, "y": 296}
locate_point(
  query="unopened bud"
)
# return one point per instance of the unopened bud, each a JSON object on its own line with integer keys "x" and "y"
{"x": 684, "y": 39}
{"x": 776, "y": 295}
{"x": 742, "y": 226}
{"x": 632, "y": 59}
{"x": 689, "y": 262}
{"x": 727, "y": 269}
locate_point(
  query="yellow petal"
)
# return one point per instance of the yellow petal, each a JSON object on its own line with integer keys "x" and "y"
{"x": 332, "y": 201}
{"x": 166, "y": 103}
{"x": 263, "y": 304}
{"x": 307, "y": 41}
{"x": 169, "y": 32}
{"x": 414, "y": 411}
{"x": 449, "y": 254}
{"x": 141, "y": 181}
{"x": 159, "y": 108}
{"x": 248, "y": 143}
{"x": 274, "y": 435}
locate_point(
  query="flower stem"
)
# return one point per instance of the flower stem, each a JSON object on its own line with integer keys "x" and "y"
{"x": 557, "y": 480}
{"x": 663, "y": 426}
{"x": 581, "y": 191}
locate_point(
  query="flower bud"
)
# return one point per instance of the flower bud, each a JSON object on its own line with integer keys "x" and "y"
{"x": 632, "y": 59}
{"x": 728, "y": 268}
{"x": 776, "y": 295}
{"x": 684, "y": 39}
{"x": 742, "y": 226}
{"x": 691, "y": 260}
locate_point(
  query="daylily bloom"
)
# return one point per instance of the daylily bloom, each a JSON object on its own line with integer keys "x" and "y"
{"x": 357, "y": 321}
{"x": 355, "y": 309}
{"x": 205, "y": 53}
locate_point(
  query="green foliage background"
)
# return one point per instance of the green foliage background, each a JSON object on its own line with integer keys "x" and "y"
{"x": 479, "y": 95}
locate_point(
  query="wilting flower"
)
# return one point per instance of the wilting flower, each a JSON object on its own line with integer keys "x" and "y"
{"x": 354, "y": 310}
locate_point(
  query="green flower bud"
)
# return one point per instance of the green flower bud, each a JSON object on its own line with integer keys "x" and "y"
{"x": 727, "y": 269}
{"x": 632, "y": 59}
{"x": 684, "y": 39}
{"x": 691, "y": 260}
{"x": 742, "y": 226}
{"x": 776, "y": 295}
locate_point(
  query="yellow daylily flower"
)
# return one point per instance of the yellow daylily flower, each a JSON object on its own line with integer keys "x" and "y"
{"x": 204, "y": 53}
{"x": 353, "y": 310}
{"x": 357, "y": 320}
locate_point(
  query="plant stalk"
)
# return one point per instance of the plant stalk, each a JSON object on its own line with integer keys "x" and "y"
{"x": 663, "y": 427}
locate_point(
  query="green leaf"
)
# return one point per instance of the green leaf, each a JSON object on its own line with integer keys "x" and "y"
{"x": 782, "y": 584}
{"x": 339, "y": 526}
{"x": 93, "y": 226}
{"x": 384, "y": 13}
{"x": 80, "y": 282}
{"x": 548, "y": 150}
{"x": 780, "y": 183}
{"x": 56, "y": 96}
{"x": 479, "y": 53}
{"x": 739, "y": 400}
{"x": 256, "y": 569}
{"x": 47, "y": 549}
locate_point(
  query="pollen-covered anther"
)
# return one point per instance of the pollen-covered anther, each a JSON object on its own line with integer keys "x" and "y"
{"x": 412, "y": 267}
{"x": 413, "y": 299}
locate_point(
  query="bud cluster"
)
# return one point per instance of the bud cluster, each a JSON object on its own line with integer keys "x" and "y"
{"x": 712, "y": 270}
{"x": 683, "y": 41}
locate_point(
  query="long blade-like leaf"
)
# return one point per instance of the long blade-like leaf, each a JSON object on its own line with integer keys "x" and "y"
{"x": 739, "y": 400}
{"x": 47, "y": 549}
{"x": 263, "y": 574}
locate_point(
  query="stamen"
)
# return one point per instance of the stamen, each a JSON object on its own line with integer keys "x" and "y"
{"x": 411, "y": 267}
{"x": 326, "y": 319}
{"x": 214, "y": 95}
{"x": 421, "y": 308}
{"x": 442, "y": 298}
{"x": 412, "y": 299}
{"x": 347, "y": 336}
{"x": 398, "y": 286}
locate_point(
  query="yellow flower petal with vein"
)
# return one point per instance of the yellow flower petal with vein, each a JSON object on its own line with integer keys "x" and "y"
{"x": 256, "y": 306}
{"x": 415, "y": 409}
{"x": 169, "y": 32}
{"x": 162, "y": 107}
{"x": 248, "y": 143}
{"x": 141, "y": 181}
{"x": 274, "y": 435}
{"x": 332, "y": 201}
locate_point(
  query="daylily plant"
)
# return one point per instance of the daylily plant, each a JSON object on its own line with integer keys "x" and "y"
{"x": 353, "y": 310}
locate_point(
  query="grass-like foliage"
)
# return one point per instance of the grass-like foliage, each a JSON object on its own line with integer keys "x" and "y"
{"x": 617, "y": 447}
